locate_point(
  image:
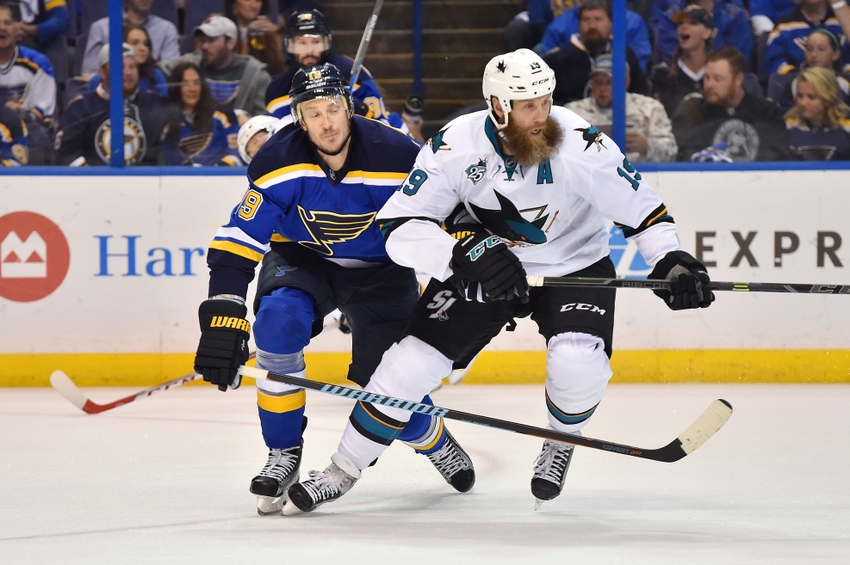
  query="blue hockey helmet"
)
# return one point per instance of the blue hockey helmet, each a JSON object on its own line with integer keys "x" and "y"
{"x": 322, "y": 81}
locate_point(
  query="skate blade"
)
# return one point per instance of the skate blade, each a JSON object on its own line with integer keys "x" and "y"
{"x": 289, "y": 509}
{"x": 270, "y": 505}
{"x": 538, "y": 503}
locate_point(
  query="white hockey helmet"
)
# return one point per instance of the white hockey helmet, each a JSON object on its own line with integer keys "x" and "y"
{"x": 518, "y": 75}
{"x": 251, "y": 128}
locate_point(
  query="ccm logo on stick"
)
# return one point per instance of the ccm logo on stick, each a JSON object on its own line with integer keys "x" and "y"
{"x": 581, "y": 306}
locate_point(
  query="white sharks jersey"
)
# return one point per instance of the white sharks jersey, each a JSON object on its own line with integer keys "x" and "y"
{"x": 551, "y": 214}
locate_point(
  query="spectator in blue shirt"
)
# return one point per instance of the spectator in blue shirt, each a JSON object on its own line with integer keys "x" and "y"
{"x": 730, "y": 21}
{"x": 562, "y": 28}
{"x": 765, "y": 13}
{"x": 199, "y": 132}
{"x": 786, "y": 43}
{"x": 526, "y": 28}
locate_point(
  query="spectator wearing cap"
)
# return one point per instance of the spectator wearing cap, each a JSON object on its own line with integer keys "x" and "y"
{"x": 729, "y": 18}
{"x": 238, "y": 81}
{"x": 572, "y": 61}
{"x": 785, "y": 49}
{"x": 27, "y": 83}
{"x": 823, "y": 51}
{"x": 562, "y": 28}
{"x": 85, "y": 131}
{"x": 163, "y": 34}
{"x": 671, "y": 82}
{"x": 751, "y": 126}
{"x": 649, "y": 135}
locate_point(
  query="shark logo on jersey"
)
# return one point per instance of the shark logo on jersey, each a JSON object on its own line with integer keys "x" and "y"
{"x": 592, "y": 135}
{"x": 476, "y": 172}
{"x": 327, "y": 228}
{"x": 509, "y": 224}
{"x": 436, "y": 143}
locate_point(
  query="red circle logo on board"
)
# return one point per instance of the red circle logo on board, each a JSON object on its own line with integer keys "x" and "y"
{"x": 34, "y": 256}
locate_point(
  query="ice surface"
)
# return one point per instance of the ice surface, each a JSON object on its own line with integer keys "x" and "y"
{"x": 165, "y": 480}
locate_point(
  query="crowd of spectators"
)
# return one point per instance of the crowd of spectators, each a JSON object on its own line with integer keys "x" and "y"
{"x": 737, "y": 80}
{"x": 707, "y": 80}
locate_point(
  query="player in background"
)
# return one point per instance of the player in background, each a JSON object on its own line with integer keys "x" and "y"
{"x": 540, "y": 182}
{"x": 307, "y": 39}
{"x": 314, "y": 190}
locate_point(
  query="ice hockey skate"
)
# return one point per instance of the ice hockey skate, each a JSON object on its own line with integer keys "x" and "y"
{"x": 279, "y": 473}
{"x": 454, "y": 464}
{"x": 322, "y": 486}
{"x": 550, "y": 470}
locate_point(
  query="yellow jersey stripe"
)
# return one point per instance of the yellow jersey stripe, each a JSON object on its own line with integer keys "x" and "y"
{"x": 237, "y": 249}
{"x": 281, "y": 404}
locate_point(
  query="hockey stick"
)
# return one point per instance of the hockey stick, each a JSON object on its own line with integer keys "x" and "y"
{"x": 717, "y": 413}
{"x": 364, "y": 43}
{"x": 72, "y": 393}
{"x": 66, "y": 387}
{"x": 659, "y": 284}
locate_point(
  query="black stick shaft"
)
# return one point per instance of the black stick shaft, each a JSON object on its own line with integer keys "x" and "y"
{"x": 710, "y": 421}
{"x": 658, "y": 284}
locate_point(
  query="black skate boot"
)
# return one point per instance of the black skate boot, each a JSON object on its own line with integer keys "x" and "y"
{"x": 322, "y": 486}
{"x": 454, "y": 464}
{"x": 281, "y": 472}
{"x": 550, "y": 470}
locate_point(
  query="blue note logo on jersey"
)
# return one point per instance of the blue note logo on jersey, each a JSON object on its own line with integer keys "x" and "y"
{"x": 509, "y": 224}
{"x": 281, "y": 271}
{"x": 476, "y": 172}
{"x": 592, "y": 135}
{"x": 328, "y": 228}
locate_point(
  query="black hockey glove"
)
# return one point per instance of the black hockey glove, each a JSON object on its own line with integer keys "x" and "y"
{"x": 224, "y": 342}
{"x": 690, "y": 286}
{"x": 485, "y": 259}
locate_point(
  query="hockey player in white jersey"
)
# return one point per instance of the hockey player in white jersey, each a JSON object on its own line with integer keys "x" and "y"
{"x": 537, "y": 183}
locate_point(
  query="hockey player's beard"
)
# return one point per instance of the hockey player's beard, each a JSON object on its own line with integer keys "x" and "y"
{"x": 330, "y": 151}
{"x": 529, "y": 150}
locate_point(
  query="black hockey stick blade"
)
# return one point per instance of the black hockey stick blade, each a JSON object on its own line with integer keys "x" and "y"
{"x": 663, "y": 284}
{"x": 717, "y": 413}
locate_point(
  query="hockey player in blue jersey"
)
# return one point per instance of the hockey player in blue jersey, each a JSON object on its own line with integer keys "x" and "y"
{"x": 307, "y": 39}
{"x": 314, "y": 190}
{"x": 536, "y": 183}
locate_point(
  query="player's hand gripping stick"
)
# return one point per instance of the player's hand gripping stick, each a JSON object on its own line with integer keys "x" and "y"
{"x": 485, "y": 259}
{"x": 689, "y": 281}
{"x": 224, "y": 342}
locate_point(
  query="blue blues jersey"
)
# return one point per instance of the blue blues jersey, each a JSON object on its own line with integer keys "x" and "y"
{"x": 14, "y": 146}
{"x": 786, "y": 44}
{"x": 294, "y": 197}
{"x": 365, "y": 93}
{"x": 203, "y": 148}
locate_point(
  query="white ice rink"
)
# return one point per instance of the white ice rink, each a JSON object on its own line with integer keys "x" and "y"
{"x": 165, "y": 480}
